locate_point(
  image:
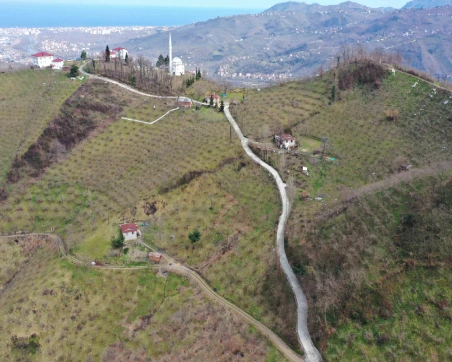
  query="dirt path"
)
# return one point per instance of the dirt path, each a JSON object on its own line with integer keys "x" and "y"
{"x": 312, "y": 354}
{"x": 177, "y": 268}
{"x": 130, "y": 88}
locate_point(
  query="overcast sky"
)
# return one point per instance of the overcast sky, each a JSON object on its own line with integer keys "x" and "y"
{"x": 250, "y": 4}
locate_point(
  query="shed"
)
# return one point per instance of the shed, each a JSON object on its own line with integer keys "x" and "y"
{"x": 155, "y": 256}
{"x": 184, "y": 102}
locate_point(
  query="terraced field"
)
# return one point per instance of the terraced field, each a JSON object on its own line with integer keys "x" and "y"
{"x": 275, "y": 109}
{"x": 29, "y": 100}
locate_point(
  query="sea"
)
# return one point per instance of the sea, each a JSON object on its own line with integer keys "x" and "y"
{"x": 50, "y": 16}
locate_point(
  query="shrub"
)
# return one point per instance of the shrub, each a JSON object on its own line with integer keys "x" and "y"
{"x": 118, "y": 242}
{"x": 392, "y": 115}
{"x": 194, "y": 236}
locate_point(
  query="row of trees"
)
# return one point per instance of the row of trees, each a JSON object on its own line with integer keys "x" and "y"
{"x": 190, "y": 81}
{"x": 161, "y": 61}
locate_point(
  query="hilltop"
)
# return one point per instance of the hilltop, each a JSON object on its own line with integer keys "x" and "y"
{"x": 425, "y": 4}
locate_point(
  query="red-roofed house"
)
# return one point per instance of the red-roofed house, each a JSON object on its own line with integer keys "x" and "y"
{"x": 42, "y": 59}
{"x": 122, "y": 52}
{"x": 285, "y": 141}
{"x": 130, "y": 231}
{"x": 57, "y": 64}
{"x": 216, "y": 99}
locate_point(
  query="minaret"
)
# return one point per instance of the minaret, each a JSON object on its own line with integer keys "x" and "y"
{"x": 170, "y": 56}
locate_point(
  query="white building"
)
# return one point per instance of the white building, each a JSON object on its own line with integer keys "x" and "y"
{"x": 42, "y": 59}
{"x": 285, "y": 141}
{"x": 176, "y": 66}
{"x": 121, "y": 52}
{"x": 57, "y": 64}
{"x": 130, "y": 231}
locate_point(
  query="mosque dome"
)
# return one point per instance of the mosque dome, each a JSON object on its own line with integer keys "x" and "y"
{"x": 177, "y": 60}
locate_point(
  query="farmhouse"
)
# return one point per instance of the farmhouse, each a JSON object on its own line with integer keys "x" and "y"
{"x": 216, "y": 99}
{"x": 285, "y": 141}
{"x": 122, "y": 52}
{"x": 57, "y": 64}
{"x": 155, "y": 256}
{"x": 184, "y": 102}
{"x": 130, "y": 231}
{"x": 42, "y": 59}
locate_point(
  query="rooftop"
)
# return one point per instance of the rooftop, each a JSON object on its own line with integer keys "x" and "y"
{"x": 42, "y": 54}
{"x": 129, "y": 228}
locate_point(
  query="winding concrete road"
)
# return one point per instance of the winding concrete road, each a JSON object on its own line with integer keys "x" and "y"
{"x": 311, "y": 353}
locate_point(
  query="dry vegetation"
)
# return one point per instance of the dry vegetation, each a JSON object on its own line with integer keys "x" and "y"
{"x": 339, "y": 251}
{"x": 78, "y": 314}
{"x": 28, "y": 102}
{"x": 196, "y": 172}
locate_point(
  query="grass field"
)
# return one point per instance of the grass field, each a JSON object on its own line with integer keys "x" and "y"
{"x": 79, "y": 314}
{"x": 28, "y": 102}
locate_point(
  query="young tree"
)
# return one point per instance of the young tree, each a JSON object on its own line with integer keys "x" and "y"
{"x": 194, "y": 236}
{"x": 211, "y": 100}
{"x": 83, "y": 55}
{"x": 221, "y": 106}
{"x": 74, "y": 71}
{"x": 167, "y": 60}
{"x": 198, "y": 75}
{"x": 118, "y": 242}
{"x": 94, "y": 65}
{"x": 126, "y": 59}
{"x": 107, "y": 54}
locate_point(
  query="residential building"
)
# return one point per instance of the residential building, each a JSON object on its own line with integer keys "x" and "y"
{"x": 130, "y": 231}
{"x": 42, "y": 59}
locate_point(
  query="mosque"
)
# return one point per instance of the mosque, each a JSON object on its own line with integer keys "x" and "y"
{"x": 176, "y": 67}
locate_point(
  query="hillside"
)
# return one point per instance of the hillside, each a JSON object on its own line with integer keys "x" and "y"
{"x": 369, "y": 221}
{"x": 181, "y": 174}
{"x": 296, "y": 39}
{"x": 52, "y": 309}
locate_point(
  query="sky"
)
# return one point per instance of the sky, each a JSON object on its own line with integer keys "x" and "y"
{"x": 249, "y": 4}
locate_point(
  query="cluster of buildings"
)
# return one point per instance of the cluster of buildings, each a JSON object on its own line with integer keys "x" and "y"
{"x": 47, "y": 60}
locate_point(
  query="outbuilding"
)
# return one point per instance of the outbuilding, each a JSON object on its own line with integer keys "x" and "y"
{"x": 153, "y": 256}
{"x": 57, "y": 64}
{"x": 184, "y": 102}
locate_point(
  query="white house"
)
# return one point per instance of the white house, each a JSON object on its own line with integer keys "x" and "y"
{"x": 121, "y": 52}
{"x": 130, "y": 231}
{"x": 57, "y": 64}
{"x": 42, "y": 59}
{"x": 285, "y": 141}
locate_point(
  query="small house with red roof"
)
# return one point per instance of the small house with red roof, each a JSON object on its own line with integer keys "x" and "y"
{"x": 121, "y": 52}
{"x": 130, "y": 231}
{"x": 153, "y": 256}
{"x": 42, "y": 59}
{"x": 215, "y": 97}
{"x": 57, "y": 64}
{"x": 285, "y": 141}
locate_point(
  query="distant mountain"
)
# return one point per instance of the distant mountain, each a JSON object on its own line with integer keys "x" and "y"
{"x": 419, "y": 4}
{"x": 312, "y": 8}
{"x": 297, "y": 38}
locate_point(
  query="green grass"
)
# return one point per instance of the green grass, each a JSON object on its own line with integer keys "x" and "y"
{"x": 419, "y": 328}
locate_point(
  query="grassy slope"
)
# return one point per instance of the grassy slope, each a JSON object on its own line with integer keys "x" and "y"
{"x": 109, "y": 176}
{"x": 334, "y": 261}
{"x": 28, "y": 102}
{"x": 78, "y": 313}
